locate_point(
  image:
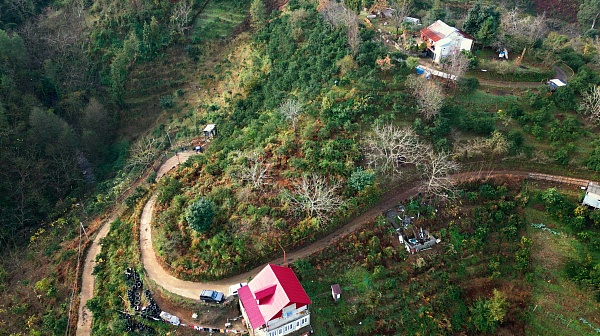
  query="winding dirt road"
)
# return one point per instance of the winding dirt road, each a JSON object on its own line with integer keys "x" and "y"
{"x": 390, "y": 199}
{"x": 192, "y": 290}
{"x": 84, "y": 321}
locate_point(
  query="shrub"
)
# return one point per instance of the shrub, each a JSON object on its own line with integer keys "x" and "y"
{"x": 360, "y": 179}
{"x": 166, "y": 102}
{"x": 200, "y": 214}
{"x": 467, "y": 85}
{"x": 169, "y": 189}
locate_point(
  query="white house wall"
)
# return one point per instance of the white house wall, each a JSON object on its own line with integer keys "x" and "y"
{"x": 289, "y": 327}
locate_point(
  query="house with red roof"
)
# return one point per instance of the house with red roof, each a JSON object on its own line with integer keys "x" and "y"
{"x": 274, "y": 303}
{"x": 443, "y": 40}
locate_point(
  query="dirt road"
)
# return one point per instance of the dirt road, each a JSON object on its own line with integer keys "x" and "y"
{"x": 84, "y": 321}
{"x": 390, "y": 199}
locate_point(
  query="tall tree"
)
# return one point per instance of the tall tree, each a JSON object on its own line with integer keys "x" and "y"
{"x": 588, "y": 14}
{"x": 428, "y": 94}
{"x": 258, "y": 13}
{"x": 316, "y": 197}
{"x": 389, "y": 147}
{"x": 401, "y": 9}
{"x": 482, "y": 23}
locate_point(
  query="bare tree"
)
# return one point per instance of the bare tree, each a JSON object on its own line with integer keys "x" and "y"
{"x": 429, "y": 95}
{"x": 337, "y": 15}
{"x": 520, "y": 30}
{"x": 401, "y": 9}
{"x": 436, "y": 174}
{"x": 390, "y": 147}
{"x": 456, "y": 64}
{"x": 290, "y": 110}
{"x": 252, "y": 167}
{"x": 142, "y": 154}
{"x": 181, "y": 16}
{"x": 315, "y": 196}
{"x": 590, "y": 104}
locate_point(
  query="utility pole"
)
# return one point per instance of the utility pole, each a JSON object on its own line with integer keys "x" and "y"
{"x": 284, "y": 256}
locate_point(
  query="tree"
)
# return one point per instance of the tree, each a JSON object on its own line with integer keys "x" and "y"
{"x": 97, "y": 129}
{"x": 429, "y": 95}
{"x": 401, "y": 9}
{"x": 353, "y": 5}
{"x": 290, "y": 110}
{"x": 590, "y": 104}
{"x": 316, "y": 197}
{"x": 252, "y": 168}
{"x": 258, "y": 13}
{"x": 519, "y": 31}
{"x": 436, "y": 170}
{"x": 337, "y": 15}
{"x": 457, "y": 64}
{"x": 482, "y": 23}
{"x": 390, "y": 147}
{"x": 180, "y": 17}
{"x": 142, "y": 154}
{"x": 200, "y": 214}
{"x": 588, "y": 13}
{"x": 360, "y": 179}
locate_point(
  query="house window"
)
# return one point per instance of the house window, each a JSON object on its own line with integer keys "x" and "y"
{"x": 280, "y": 331}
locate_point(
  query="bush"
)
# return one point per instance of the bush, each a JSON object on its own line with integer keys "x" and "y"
{"x": 360, "y": 179}
{"x": 200, "y": 215}
{"x": 168, "y": 190}
{"x": 166, "y": 102}
{"x": 467, "y": 85}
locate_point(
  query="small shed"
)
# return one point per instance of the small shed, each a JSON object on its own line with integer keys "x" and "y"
{"x": 336, "y": 292}
{"x": 210, "y": 131}
{"x": 555, "y": 84}
{"x": 592, "y": 195}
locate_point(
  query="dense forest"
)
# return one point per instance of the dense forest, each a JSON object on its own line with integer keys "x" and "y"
{"x": 319, "y": 112}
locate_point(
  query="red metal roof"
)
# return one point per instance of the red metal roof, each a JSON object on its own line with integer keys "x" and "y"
{"x": 273, "y": 289}
{"x": 430, "y": 34}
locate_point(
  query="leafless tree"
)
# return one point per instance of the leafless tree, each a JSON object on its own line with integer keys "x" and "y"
{"x": 316, "y": 197}
{"x": 181, "y": 16}
{"x": 339, "y": 16}
{"x": 436, "y": 174}
{"x": 520, "y": 30}
{"x": 142, "y": 154}
{"x": 252, "y": 168}
{"x": 456, "y": 64}
{"x": 401, "y": 9}
{"x": 389, "y": 147}
{"x": 290, "y": 110}
{"x": 428, "y": 94}
{"x": 590, "y": 104}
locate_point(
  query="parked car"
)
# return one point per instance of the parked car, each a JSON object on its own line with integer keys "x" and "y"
{"x": 211, "y": 296}
{"x": 233, "y": 289}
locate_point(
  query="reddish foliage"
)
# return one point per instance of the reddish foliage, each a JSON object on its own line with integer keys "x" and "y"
{"x": 565, "y": 10}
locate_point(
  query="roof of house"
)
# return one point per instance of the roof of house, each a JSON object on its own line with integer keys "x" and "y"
{"x": 440, "y": 30}
{"x": 273, "y": 289}
{"x": 209, "y": 127}
{"x": 336, "y": 289}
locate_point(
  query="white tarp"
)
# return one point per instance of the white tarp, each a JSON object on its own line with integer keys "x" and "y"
{"x": 174, "y": 320}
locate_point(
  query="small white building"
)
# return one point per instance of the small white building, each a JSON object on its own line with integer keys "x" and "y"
{"x": 592, "y": 195}
{"x": 443, "y": 40}
{"x": 274, "y": 303}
